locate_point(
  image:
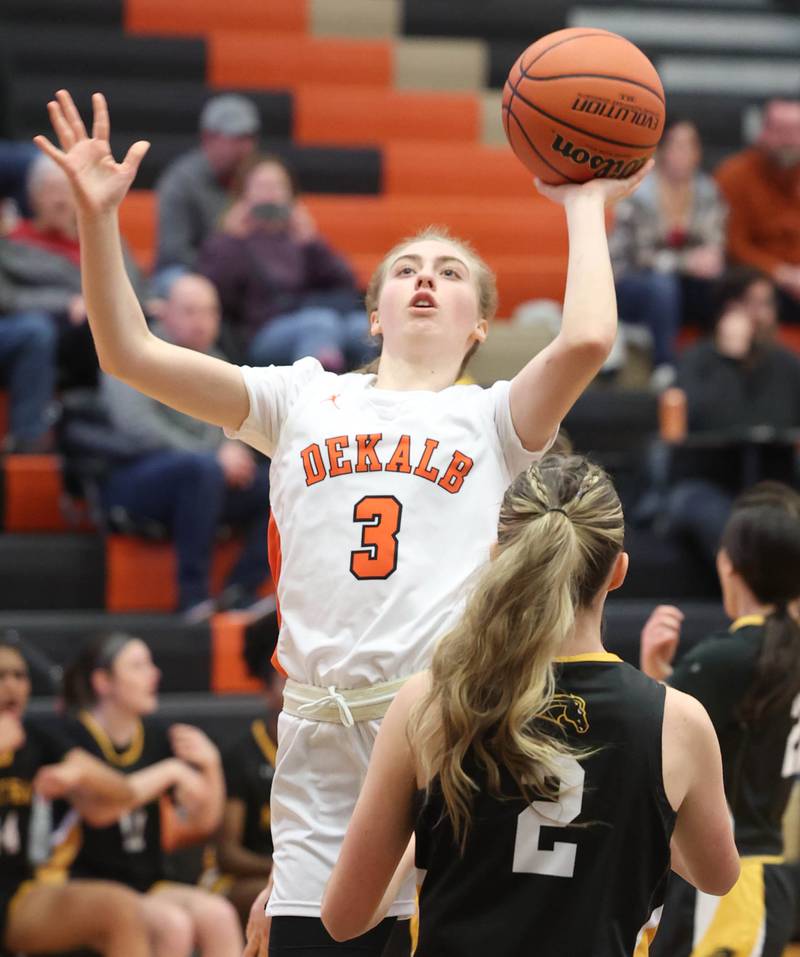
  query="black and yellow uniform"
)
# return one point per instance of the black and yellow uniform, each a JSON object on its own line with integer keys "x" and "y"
{"x": 17, "y": 771}
{"x": 759, "y": 761}
{"x": 582, "y": 876}
{"x": 130, "y": 850}
{"x": 249, "y": 767}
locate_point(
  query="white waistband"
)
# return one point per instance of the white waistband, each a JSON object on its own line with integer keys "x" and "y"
{"x": 340, "y": 706}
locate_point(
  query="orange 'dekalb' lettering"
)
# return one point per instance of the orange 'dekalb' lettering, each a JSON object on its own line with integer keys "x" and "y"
{"x": 329, "y": 459}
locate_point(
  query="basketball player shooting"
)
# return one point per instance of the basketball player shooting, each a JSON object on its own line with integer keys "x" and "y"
{"x": 385, "y": 487}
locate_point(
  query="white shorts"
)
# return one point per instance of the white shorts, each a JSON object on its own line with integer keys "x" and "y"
{"x": 319, "y": 771}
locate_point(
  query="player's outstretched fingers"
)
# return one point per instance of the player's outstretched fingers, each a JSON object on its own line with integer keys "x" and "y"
{"x": 47, "y": 147}
{"x": 72, "y": 115}
{"x": 60, "y": 125}
{"x": 135, "y": 155}
{"x": 101, "y": 124}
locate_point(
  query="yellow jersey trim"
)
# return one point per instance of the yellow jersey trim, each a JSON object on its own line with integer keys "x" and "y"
{"x": 591, "y": 656}
{"x": 747, "y": 620}
{"x": 264, "y": 741}
{"x": 128, "y": 757}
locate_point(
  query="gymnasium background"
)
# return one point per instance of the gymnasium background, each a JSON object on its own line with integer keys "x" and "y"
{"x": 389, "y": 112}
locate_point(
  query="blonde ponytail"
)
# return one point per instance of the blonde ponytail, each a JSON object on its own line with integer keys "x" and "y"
{"x": 492, "y": 678}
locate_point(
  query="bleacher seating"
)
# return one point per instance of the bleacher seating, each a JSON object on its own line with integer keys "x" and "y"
{"x": 389, "y": 112}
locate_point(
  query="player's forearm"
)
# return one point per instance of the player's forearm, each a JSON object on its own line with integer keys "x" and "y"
{"x": 590, "y": 303}
{"x": 96, "y": 782}
{"x": 402, "y": 871}
{"x": 116, "y": 319}
{"x": 205, "y": 815}
{"x": 197, "y": 384}
{"x": 150, "y": 783}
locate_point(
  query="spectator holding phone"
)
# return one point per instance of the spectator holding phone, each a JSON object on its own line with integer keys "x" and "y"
{"x": 282, "y": 288}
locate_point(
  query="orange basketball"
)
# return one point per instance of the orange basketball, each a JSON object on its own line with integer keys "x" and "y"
{"x": 583, "y": 103}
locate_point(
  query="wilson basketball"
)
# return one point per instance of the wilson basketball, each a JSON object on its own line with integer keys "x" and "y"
{"x": 583, "y": 103}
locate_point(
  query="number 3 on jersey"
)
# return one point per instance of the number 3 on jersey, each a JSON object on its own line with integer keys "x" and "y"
{"x": 380, "y": 517}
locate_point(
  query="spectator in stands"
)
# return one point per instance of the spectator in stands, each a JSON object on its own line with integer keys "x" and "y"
{"x": 755, "y": 293}
{"x": 27, "y": 367}
{"x": 737, "y": 379}
{"x": 667, "y": 245}
{"x": 40, "y": 281}
{"x": 188, "y": 475}
{"x": 195, "y": 190}
{"x": 112, "y": 691}
{"x": 15, "y": 161}
{"x": 762, "y": 187}
{"x": 281, "y": 285}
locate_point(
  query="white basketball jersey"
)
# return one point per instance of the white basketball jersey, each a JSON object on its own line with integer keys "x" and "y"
{"x": 384, "y": 504}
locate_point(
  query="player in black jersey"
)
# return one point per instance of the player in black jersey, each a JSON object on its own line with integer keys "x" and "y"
{"x": 112, "y": 689}
{"x": 543, "y": 794}
{"x": 243, "y": 852}
{"x": 749, "y": 680}
{"x": 37, "y": 917}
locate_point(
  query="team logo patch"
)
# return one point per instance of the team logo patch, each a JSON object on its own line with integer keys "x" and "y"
{"x": 569, "y": 711}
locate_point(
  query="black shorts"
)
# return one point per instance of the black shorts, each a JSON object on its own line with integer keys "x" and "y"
{"x": 307, "y": 937}
{"x": 756, "y": 918}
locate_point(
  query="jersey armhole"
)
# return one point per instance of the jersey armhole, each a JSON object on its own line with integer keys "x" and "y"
{"x": 668, "y": 813}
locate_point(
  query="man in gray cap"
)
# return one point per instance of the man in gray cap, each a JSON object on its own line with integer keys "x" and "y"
{"x": 194, "y": 189}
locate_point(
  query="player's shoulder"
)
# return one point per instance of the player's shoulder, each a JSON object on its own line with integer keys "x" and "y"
{"x": 415, "y": 687}
{"x": 724, "y": 650}
{"x": 685, "y": 717}
{"x": 413, "y": 690}
{"x": 50, "y": 737}
{"x": 78, "y": 730}
{"x": 483, "y": 400}
{"x": 291, "y": 382}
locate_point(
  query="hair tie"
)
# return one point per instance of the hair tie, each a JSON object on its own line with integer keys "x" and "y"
{"x": 556, "y": 509}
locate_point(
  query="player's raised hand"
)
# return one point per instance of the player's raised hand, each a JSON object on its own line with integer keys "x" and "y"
{"x": 659, "y": 641}
{"x": 98, "y": 182}
{"x": 609, "y": 190}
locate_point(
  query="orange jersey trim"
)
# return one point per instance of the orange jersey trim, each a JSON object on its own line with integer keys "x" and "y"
{"x": 275, "y": 562}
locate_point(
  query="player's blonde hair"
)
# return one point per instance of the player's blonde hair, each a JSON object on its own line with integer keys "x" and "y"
{"x": 492, "y": 678}
{"x": 483, "y": 277}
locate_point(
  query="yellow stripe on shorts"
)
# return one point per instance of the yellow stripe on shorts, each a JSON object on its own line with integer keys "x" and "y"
{"x": 739, "y": 920}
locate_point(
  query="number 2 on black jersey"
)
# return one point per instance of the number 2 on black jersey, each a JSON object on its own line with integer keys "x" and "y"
{"x": 791, "y": 758}
{"x": 529, "y": 858}
{"x": 380, "y": 517}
